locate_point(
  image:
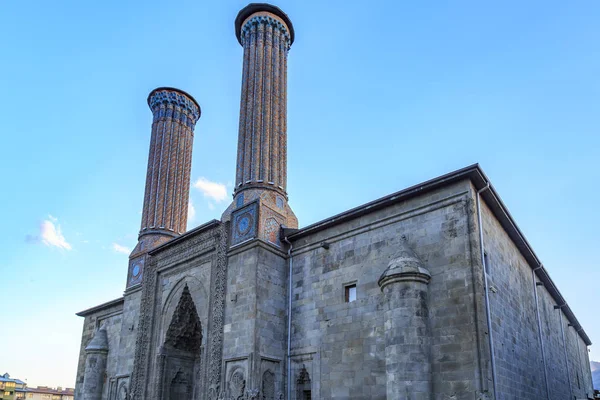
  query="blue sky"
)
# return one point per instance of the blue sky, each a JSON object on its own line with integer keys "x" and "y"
{"x": 381, "y": 96}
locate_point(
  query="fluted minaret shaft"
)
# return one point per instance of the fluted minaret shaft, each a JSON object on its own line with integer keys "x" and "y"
{"x": 266, "y": 36}
{"x": 169, "y": 162}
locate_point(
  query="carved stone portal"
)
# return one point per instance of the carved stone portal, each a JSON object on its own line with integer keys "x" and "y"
{"x": 179, "y": 358}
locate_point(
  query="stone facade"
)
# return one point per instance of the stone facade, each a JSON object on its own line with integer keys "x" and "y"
{"x": 389, "y": 300}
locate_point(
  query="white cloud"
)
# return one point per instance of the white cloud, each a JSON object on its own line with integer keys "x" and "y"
{"x": 213, "y": 190}
{"x": 50, "y": 234}
{"x": 191, "y": 211}
{"x": 120, "y": 249}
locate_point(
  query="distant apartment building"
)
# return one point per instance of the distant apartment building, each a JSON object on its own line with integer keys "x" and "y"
{"x": 11, "y": 389}
{"x": 48, "y": 393}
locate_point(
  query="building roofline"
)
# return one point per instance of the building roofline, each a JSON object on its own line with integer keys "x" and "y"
{"x": 208, "y": 225}
{"x": 476, "y": 175}
{"x": 100, "y": 307}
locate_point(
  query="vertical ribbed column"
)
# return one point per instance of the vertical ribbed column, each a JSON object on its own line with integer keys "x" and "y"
{"x": 169, "y": 162}
{"x": 266, "y": 34}
{"x": 274, "y": 176}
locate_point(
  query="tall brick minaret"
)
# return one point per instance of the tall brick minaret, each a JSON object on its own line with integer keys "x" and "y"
{"x": 266, "y": 34}
{"x": 164, "y": 215}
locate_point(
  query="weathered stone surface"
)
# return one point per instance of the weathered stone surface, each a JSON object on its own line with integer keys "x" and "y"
{"x": 95, "y": 366}
{"x": 406, "y": 321}
{"x": 515, "y": 331}
{"x": 205, "y": 313}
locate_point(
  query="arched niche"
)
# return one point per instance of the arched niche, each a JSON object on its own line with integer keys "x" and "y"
{"x": 180, "y": 354}
{"x": 199, "y": 296}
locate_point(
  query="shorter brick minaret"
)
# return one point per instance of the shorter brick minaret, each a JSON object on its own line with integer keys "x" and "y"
{"x": 164, "y": 215}
{"x": 266, "y": 34}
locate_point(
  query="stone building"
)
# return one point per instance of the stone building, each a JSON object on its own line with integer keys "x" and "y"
{"x": 428, "y": 293}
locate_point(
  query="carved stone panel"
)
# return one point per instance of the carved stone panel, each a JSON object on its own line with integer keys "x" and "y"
{"x": 268, "y": 385}
{"x": 237, "y": 385}
{"x": 185, "y": 330}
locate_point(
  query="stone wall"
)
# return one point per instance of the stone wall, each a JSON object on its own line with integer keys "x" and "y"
{"x": 342, "y": 345}
{"x": 519, "y": 363}
{"x": 255, "y": 318}
{"x": 111, "y": 318}
{"x": 131, "y": 313}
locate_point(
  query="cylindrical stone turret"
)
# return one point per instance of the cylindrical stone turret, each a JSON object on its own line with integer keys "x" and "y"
{"x": 169, "y": 162}
{"x": 266, "y": 33}
{"x": 407, "y": 338}
{"x": 95, "y": 366}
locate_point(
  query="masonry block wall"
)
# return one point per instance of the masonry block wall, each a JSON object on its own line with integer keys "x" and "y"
{"x": 110, "y": 317}
{"x": 519, "y": 362}
{"x": 346, "y": 341}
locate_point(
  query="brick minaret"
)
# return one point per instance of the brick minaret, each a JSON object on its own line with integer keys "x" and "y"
{"x": 266, "y": 34}
{"x": 164, "y": 215}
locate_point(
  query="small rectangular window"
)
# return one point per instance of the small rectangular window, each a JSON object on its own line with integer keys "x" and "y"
{"x": 350, "y": 293}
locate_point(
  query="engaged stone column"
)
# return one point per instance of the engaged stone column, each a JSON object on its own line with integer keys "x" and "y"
{"x": 407, "y": 340}
{"x": 95, "y": 366}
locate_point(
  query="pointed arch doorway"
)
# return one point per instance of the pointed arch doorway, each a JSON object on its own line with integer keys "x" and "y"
{"x": 179, "y": 356}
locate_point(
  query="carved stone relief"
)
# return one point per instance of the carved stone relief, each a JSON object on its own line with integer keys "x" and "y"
{"x": 237, "y": 386}
{"x": 213, "y": 238}
{"x": 185, "y": 330}
{"x": 268, "y": 386}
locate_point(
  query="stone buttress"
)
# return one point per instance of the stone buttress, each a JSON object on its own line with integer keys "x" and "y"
{"x": 95, "y": 366}
{"x": 407, "y": 337}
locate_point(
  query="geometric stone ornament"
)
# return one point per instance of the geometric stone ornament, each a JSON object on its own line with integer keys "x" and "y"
{"x": 185, "y": 330}
{"x": 244, "y": 223}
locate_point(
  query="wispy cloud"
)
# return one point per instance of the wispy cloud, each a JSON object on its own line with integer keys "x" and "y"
{"x": 50, "y": 235}
{"x": 191, "y": 212}
{"x": 120, "y": 249}
{"x": 212, "y": 190}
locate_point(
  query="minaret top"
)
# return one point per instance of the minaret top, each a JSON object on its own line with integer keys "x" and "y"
{"x": 175, "y": 97}
{"x": 254, "y": 8}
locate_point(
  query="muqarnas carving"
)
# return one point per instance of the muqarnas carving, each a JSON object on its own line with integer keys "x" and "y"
{"x": 185, "y": 331}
